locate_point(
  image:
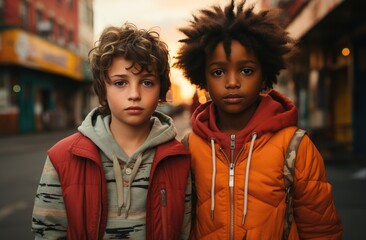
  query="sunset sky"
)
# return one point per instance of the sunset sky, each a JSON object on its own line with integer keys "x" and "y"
{"x": 168, "y": 15}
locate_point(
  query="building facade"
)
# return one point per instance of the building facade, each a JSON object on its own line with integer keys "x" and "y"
{"x": 86, "y": 98}
{"x": 43, "y": 81}
{"x": 327, "y": 75}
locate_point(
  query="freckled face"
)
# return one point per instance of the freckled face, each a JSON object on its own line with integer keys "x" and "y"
{"x": 234, "y": 85}
{"x": 132, "y": 98}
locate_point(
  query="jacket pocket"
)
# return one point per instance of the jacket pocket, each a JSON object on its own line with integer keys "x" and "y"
{"x": 164, "y": 213}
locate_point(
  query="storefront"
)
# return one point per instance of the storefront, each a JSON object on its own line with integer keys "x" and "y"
{"x": 39, "y": 83}
{"x": 330, "y": 74}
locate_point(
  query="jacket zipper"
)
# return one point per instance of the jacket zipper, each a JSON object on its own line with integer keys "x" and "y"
{"x": 164, "y": 218}
{"x": 232, "y": 162}
{"x": 231, "y": 184}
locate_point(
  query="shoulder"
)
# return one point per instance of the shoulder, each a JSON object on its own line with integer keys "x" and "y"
{"x": 65, "y": 143}
{"x": 172, "y": 152}
{"x": 309, "y": 158}
{"x": 290, "y": 136}
{"x": 75, "y": 144}
{"x": 185, "y": 140}
{"x": 280, "y": 139}
{"x": 172, "y": 147}
{"x": 286, "y": 133}
{"x": 173, "y": 156}
{"x": 193, "y": 138}
{"x": 68, "y": 140}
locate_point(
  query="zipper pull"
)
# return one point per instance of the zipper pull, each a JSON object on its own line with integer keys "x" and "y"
{"x": 231, "y": 175}
{"x": 163, "y": 197}
{"x": 232, "y": 147}
{"x": 232, "y": 141}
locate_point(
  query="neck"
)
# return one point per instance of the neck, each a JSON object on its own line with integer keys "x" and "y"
{"x": 235, "y": 122}
{"x": 130, "y": 138}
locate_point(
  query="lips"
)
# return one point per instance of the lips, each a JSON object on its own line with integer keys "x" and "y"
{"x": 134, "y": 109}
{"x": 233, "y": 98}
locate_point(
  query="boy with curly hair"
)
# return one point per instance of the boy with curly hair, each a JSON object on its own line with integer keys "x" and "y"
{"x": 123, "y": 175}
{"x": 239, "y": 139}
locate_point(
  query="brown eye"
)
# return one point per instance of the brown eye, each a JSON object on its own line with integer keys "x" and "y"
{"x": 218, "y": 73}
{"x": 119, "y": 83}
{"x": 147, "y": 83}
{"x": 247, "y": 71}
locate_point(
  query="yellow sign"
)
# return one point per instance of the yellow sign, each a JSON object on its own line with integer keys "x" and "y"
{"x": 19, "y": 47}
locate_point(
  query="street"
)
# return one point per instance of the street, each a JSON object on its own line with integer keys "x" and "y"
{"x": 22, "y": 159}
{"x": 349, "y": 189}
{"x": 23, "y": 156}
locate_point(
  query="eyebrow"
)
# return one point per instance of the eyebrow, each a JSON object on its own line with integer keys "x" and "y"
{"x": 240, "y": 62}
{"x": 141, "y": 74}
{"x": 118, "y": 75}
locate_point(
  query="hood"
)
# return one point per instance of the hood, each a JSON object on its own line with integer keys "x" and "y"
{"x": 96, "y": 128}
{"x": 274, "y": 112}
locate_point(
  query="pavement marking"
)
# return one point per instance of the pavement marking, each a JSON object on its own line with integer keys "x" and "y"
{"x": 360, "y": 174}
{"x": 11, "y": 208}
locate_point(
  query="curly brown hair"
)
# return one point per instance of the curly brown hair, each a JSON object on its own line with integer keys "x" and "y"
{"x": 259, "y": 32}
{"x": 143, "y": 48}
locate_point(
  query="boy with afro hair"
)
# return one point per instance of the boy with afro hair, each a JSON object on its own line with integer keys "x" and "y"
{"x": 239, "y": 139}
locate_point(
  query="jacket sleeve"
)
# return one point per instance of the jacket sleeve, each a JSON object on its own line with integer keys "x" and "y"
{"x": 49, "y": 220}
{"x": 314, "y": 208}
{"x": 186, "y": 227}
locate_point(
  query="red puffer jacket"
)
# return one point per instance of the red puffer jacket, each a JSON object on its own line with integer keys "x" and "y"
{"x": 78, "y": 164}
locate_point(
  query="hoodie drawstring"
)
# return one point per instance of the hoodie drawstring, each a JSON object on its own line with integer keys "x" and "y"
{"x": 133, "y": 174}
{"x": 254, "y": 136}
{"x": 213, "y": 180}
{"x": 119, "y": 183}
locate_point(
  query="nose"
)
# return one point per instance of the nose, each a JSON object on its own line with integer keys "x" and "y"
{"x": 232, "y": 81}
{"x": 134, "y": 93}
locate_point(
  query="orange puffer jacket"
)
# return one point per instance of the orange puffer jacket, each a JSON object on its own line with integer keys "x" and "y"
{"x": 222, "y": 215}
{"x": 239, "y": 177}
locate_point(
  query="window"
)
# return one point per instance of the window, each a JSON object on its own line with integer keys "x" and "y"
{"x": 44, "y": 26}
{"x": 4, "y": 90}
{"x": 70, "y": 41}
{"x": 70, "y": 3}
{"x": 50, "y": 34}
{"x": 1, "y": 11}
{"x": 9, "y": 90}
{"x": 38, "y": 15}
{"x": 38, "y": 18}
{"x": 70, "y": 37}
{"x": 60, "y": 31}
{"x": 24, "y": 15}
{"x": 60, "y": 35}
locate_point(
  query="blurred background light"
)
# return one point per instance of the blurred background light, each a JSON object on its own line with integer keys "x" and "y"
{"x": 346, "y": 52}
